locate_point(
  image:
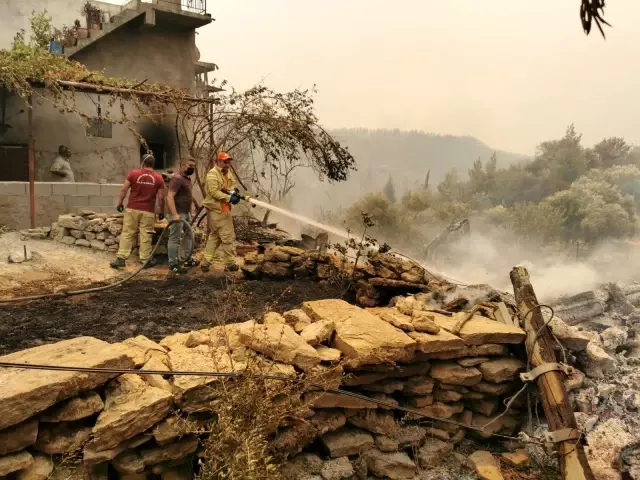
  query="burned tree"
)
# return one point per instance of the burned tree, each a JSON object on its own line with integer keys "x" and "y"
{"x": 271, "y": 135}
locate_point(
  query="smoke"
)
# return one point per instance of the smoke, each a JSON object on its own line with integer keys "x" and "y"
{"x": 488, "y": 259}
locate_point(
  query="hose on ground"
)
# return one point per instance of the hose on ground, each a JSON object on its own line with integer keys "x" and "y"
{"x": 186, "y": 228}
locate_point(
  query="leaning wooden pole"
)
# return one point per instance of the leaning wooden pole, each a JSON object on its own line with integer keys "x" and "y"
{"x": 555, "y": 400}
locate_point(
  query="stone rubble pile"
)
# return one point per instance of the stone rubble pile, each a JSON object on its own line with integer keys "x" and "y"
{"x": 130, "y": 425}
{"x": 379, "y": 277}
{"x": 99, "y": 231}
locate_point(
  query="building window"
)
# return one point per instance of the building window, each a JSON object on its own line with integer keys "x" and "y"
{"x": 99, "y": 127}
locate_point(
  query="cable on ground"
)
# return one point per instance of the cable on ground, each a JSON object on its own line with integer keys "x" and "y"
{"x": 382, "y": 403}
{"x": 189, "y": 231}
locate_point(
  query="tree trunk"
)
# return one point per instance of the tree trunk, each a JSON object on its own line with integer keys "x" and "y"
{"x": 555, "y": 400}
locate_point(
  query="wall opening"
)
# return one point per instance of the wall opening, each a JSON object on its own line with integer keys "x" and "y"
{"x": 14, "y": 163}
{"x": 159, "y": 152}
{"x": 161, "y": 140}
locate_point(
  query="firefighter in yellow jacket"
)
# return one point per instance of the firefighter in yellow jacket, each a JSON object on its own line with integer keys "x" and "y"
{"x": 221, "y": 194}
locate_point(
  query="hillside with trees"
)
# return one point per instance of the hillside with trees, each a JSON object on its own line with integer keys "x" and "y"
{"x": 568, "y": 193}
{"x": 408, "y": 160}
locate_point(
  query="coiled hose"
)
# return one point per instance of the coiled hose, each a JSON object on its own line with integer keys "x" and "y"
{"x": 187, "y": 229}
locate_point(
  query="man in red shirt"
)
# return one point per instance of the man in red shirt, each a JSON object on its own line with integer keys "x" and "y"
{"x": 139, "y": 217}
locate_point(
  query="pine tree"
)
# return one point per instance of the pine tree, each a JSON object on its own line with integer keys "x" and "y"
{"x": 390, "y": 191}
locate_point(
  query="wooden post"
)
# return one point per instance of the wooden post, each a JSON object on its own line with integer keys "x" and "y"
{"x": 555, "y": 401}
{"x": 32, "y": 168}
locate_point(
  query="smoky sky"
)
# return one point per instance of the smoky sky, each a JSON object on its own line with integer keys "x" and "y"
{"x": 512, "y": 73}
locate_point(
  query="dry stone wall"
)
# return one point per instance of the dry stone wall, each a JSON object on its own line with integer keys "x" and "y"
{"x": 378, "y": 278}
{"x": 130, "y": 424}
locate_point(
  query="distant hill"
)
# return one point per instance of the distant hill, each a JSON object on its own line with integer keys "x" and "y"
{"x": 406, "y": 156}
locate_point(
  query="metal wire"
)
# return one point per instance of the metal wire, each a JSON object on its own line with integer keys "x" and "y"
{"x": 122, "y": 371}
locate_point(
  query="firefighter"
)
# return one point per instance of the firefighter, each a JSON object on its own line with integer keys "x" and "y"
{"x": 221, "y": 194}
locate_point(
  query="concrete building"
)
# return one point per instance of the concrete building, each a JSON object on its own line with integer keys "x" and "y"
{"x": 147, "y": 41}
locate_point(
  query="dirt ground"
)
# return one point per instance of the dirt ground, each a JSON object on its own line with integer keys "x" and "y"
{"x": 155, "y": 308}
{"x": 53, "y": 266}
{"x": 152, "y": 304}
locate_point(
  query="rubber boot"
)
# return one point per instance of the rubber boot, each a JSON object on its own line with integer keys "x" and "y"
{"x": 205, "y": 266}
{"x": 118, "y": 263}
{"x": 151, "y": 263}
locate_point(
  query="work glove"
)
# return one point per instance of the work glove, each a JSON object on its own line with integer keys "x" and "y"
{"x": 120, "y": 208}
{"x": 161, "y": 216}
{"x": 235, "y": 198}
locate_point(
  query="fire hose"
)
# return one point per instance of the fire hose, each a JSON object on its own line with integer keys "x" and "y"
{"x": 64, "y": 294}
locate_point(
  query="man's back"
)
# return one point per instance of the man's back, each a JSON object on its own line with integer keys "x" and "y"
{"x": 145, "y": 184}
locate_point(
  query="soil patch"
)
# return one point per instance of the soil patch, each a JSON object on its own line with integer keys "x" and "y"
{"x": 155, "y": 308}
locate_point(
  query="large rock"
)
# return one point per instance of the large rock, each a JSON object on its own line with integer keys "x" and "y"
{"x": 424, "y": 322}
{"x": 410, "y": 436}
{"x": 375, "y": 421}
{"x": 141, "y": 349}
{"x": 485, "y": 465}
{"x": 277, "y": 270}
{"x": 396, "y": 466}
{"x": 61, "y": 438}
{"x": 192, "y": 391}
{"x": 276, "y": 255}
{"x": 480, "y": 330}
{"x": 433, "y": 453}
{"x": 318, "y": 332}
{"x": 442, "y": 341}
{"x": 394, "y": 317}
{"x": 15, "y": 462}
{"x": 84, "y": 405}
{"x": 496, "y": 389}
{"x": 328, "y": 354}
{"x": 40, "y": 469}
{"x": 131, "y": 407}
{"x": 501, "y": 370}
{"x": 335, "y": 400}
{"x": 297, "y": 319}
{"x": 361, "y": 336}
{"x": 490, "y": 349}
{"x": 440, "y": 410}
{"x": 281, "y": 343}
{"x": 173, "y": 451}
{"x": 18, "y": 437}
{"x": 93, "y": 457}
{"x": 346, "y": 442}
{"x": 569, "y": 337}
{"x": 598, "y": 362}
{"x": 25, "y": 393}
{"x": 454, "y": 374}
{"x": 72, "y": 222}
{"x": 337, "y": 469}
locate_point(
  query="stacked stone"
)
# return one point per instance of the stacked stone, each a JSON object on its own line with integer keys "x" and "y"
{"x": 290, "y": 262}
{"x": 379, "y": 277}
{"x": 98, "y": 231}
{"x": 134, "y": 424}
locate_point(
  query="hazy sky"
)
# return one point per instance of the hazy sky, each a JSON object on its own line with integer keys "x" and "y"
{"x": 509, "y": 72}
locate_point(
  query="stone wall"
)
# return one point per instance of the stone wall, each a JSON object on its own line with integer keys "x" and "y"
{"x": 378, "y": 278}
{"x": 54, "y": 199}
{"x": 131, "y": 424}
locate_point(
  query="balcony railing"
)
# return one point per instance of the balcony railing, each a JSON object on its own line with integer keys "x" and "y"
{"x": 194, "y": 6}
{"x": 198, "y": 7}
